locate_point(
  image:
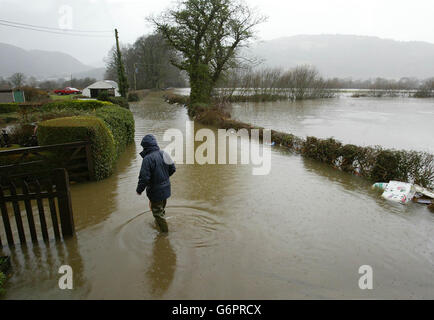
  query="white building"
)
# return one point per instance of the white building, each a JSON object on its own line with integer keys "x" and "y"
{"x": 109, "y": 86}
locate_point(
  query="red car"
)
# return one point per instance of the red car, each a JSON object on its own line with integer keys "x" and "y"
{"x": 67, "y": 90}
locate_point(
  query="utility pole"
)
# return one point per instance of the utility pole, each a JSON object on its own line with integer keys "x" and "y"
{"x": 123, "y": 83}
{"x": 135, "y": 76}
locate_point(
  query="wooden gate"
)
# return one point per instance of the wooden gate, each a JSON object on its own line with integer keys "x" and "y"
{"x": 76, "y": 157}
{"x": 39, "y": 188}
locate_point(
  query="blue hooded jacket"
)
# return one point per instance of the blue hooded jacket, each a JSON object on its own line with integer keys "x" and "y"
{"x": 157, "y": 167}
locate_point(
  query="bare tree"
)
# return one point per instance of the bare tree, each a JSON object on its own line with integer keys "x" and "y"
{"x": 302, "y": 82}
{"x": 207, "y": 35}
{"x": 147, "y": 64}
{"x": 17, "y": 79}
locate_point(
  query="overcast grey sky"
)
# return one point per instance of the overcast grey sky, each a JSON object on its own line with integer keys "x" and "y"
{"x": 396, "y": 19}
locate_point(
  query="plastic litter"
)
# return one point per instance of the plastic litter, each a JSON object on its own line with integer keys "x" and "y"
{"x": 424, "y": 191}
{"x": 380, "y": 185}
{"x": 423, "y": 201}
{"x": 399, "y": 192}
{"x": 403, "y": 192}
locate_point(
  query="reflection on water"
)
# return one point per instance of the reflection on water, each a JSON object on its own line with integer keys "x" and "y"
{"x": 300, "y": 232}
{"x": 162, "y": 267}
{"x": 35, "y": 268}
{"x": 98, "y": 199}
{"x": 402, "y": 123}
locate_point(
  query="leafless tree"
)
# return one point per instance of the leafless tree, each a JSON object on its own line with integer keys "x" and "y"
{"x": 17, "y": 79}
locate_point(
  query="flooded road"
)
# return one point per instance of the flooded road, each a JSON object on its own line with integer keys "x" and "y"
{"x": 302, "y": 231}
{"x": 401, "y": 123}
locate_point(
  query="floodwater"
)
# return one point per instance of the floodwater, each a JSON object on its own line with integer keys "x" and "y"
{"x": 302, "y": 231}
{"x": 400, "y": 123}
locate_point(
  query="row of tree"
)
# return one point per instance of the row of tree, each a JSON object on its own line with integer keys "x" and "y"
{"x": 302, "y": 82}
{"x": 18, "y": 80}
{"x": 146, "y": 63}
{"x": 207, "y": 37}
{"x": 405, "y": 83}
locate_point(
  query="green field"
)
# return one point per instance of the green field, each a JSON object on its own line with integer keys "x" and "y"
{"x": 65, "y": 97}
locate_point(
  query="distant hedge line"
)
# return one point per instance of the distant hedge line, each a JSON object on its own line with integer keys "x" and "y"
{"x": 109, "y": 129}
{"x": 85, "y": 105}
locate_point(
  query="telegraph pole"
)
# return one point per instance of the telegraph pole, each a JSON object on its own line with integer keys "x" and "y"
{"x": 123, "y": 84}
{"x": 135, "y": 76}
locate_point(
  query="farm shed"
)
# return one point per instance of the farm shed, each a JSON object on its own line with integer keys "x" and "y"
{"x": 109, "y": 86}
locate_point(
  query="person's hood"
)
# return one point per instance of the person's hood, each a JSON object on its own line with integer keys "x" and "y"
{"x": 149, "y": 144}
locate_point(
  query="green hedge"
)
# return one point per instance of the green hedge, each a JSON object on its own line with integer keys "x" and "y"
{"x": 9, "y": 107}
{"x": 375, "y": 163}
{"x": 83, "y": 128}
{"x": 121, "y": 123}
{"x": 84, "y": 105}
{"x": 119, "y": 101}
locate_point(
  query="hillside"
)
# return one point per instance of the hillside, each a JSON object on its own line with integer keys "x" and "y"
{"x": 349, "y": 56}
{"x": 38, "y": 63}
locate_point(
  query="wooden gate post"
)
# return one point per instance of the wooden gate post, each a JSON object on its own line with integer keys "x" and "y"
{"x": 61, "y": 180}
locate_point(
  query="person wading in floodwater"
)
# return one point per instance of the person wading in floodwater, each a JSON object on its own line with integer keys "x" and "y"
{"x": 157, "y": 167}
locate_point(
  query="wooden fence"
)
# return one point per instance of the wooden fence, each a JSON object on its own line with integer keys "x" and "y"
{"x": 37, "y": 187}
{"x": 75, "y": 157}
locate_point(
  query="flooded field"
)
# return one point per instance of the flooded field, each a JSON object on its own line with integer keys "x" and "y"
{"x": 302, "y": 231}
{"x": 402, "y": 123}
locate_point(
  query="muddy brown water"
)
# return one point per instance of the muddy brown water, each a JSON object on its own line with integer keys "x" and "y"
{"x": 400, "y": 122}
{"x": 302, "y": 231}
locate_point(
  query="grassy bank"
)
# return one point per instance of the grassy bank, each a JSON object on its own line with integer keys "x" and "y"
{"x": 373, "y": 163}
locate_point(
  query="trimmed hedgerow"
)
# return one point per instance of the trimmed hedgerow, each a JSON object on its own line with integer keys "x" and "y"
{"x": 9, "y": 107}
{"x": 83, "y": 128}
{"x": 121, "y": 123}
{"x": 322, "y": 150}
{"x": 374, "y": 163}
{"x": 120, "y": 101}
{"x": 84, "y": 105}
{"x": 108, "y": 125}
